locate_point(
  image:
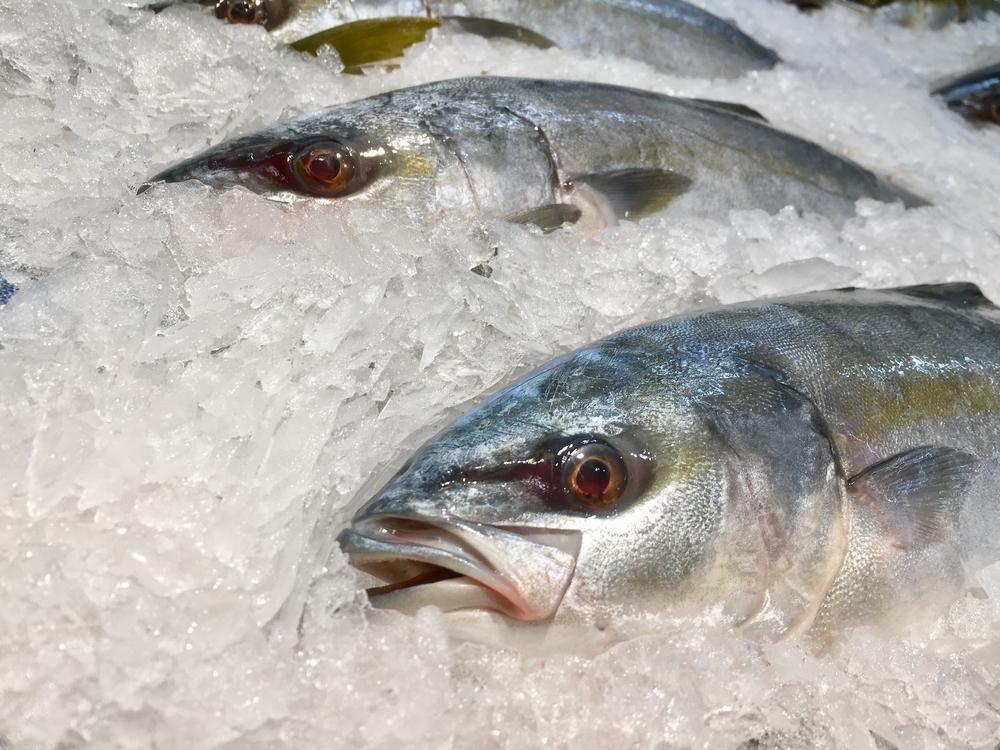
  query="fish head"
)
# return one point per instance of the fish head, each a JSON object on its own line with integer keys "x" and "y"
{"x": 267, "y": 13}
{"x": 339, "y": 153}
{"x": 428, "y": 146}
{"x": 590, "y": 488}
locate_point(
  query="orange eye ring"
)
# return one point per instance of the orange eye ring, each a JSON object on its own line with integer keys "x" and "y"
{"x": 594, "y": 474}
{"x": 325, "y": 169}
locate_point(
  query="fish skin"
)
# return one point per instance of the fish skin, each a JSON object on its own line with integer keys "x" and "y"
{"x": 507, "y": 146}
{"x": 975, "y": 95}
{"x": 670, "y": 35}
{"x": 805, "y": 464}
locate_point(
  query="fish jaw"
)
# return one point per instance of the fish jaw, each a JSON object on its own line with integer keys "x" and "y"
{"x": 264, "y": 166}
{"x": 457, "y": 565}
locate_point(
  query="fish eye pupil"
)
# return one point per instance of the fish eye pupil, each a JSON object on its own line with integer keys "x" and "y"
{"x": 593, "y": 478}
{"x": 325, "y": 166}
{"x": 241, "y": 11}
{"x": 594, "y": 474}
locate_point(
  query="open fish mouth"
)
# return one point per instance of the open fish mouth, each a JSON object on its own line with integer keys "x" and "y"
{"x": 457, "y": 565}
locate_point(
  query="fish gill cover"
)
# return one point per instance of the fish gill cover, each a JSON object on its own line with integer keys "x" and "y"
{"x": 202, "y": 386}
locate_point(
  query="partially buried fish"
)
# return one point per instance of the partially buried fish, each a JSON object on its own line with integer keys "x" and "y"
{"x": 796, "y": 465}
{"x": 671, "y": 35}
{"x": 540, "y": 151}
{"x": 933, "y": 13}
{"x": 976, "y": 95}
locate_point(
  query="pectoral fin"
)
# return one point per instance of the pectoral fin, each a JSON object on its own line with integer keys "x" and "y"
{"x": 550, "y": 217}
{"x": 737, "y": 109}
{"x": 921, "y": 492}
{"x": 635, "y": 193}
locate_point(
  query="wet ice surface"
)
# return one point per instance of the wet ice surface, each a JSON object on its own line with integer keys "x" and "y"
{"x": 198, "y": 387}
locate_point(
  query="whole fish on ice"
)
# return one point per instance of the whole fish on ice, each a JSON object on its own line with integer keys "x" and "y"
{"x": 671, "y": 35}
{"x": 975, "y": 95}
{"x": 540, "y": 151}
{"x": 797, "y": 465}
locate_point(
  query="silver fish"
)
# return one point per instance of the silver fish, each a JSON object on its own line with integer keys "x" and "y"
{"x": 540, "y": 151}
{"x": 671, "y": 35}
{"x": 797, "y": 466}
{"x": 975, "y": 95}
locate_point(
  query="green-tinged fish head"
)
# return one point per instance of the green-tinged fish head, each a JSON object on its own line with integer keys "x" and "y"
{"x": 266, "y": 13}
{"x": 599, "y": 487}
{"x": 431, "y": 146}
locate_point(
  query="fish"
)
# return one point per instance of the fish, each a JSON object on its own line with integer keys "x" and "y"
{"x": 793, "y": 467}
{"x": 670, "y": 35}
{"x": 540, "y": 152}
{"x": 931, "y": 13}
{"x": 975, "y": 95}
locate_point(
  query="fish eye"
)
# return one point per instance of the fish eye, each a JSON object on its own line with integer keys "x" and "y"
{"x": 594, "y": 474}
{"x": 326, "y": 169}
{"x": 267, "y": 13}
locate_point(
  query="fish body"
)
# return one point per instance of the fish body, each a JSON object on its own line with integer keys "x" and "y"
{"x": 518, "y": 148}
{"x": 671, "y": 35}
{"x": 796, "y": 466}
{"x": 975, "y": 95}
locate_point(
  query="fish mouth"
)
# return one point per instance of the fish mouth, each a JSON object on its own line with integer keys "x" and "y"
{"x": 457, "y": 565}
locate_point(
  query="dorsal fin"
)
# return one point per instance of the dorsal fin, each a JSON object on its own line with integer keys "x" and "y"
{"x": 958, "y": 293}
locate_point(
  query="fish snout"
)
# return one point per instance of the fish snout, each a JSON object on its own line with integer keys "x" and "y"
{"x": 456, "y": 564}
{"x": 174, "y": 174}
{"x": 220, "y": 170}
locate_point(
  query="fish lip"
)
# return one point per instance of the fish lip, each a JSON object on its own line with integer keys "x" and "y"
{"x": 521, "y": 572}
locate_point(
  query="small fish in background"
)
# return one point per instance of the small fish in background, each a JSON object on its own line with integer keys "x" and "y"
{"x": 975, "y": 95}
{"x": 670, "y": 35}
{"x": 799, "y": 465}
{"x": 932, "y": 13}
{"x": 543, "y": 152}
{"x": 7, "y": 291}
{"x": 267, "y": 13}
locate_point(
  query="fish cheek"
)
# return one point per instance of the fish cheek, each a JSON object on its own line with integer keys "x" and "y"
{"x": 654, "y": 555}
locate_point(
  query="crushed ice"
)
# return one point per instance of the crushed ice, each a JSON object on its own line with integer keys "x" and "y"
{"x": 197, "y": 386}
